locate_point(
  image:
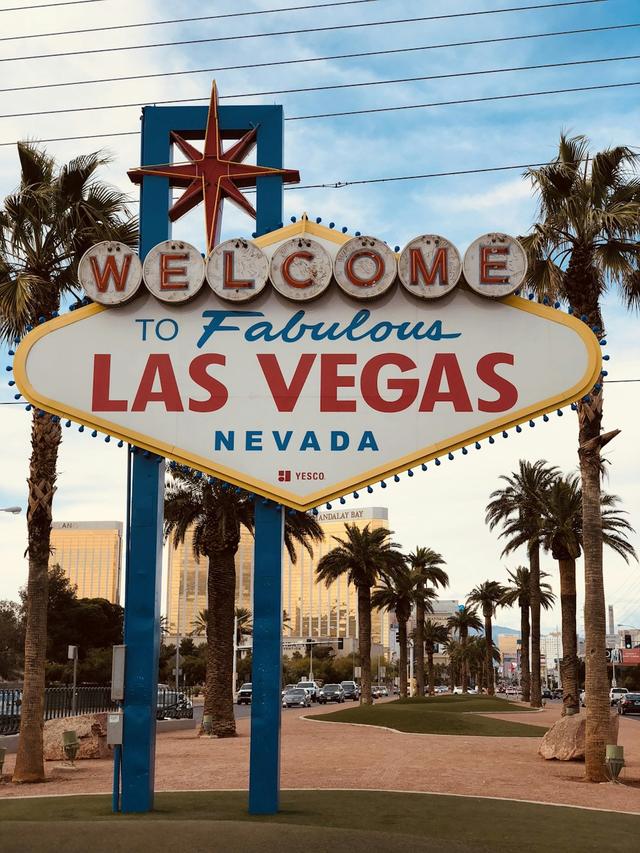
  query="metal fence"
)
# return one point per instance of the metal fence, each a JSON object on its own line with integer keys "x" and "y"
{"x": 58, "y": 702}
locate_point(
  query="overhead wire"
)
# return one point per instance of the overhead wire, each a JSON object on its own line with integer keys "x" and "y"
{"x": 48, "y": 5}
{"x": 304, "y": 30}
{"x": 330, "y": 87}
{"x": 304, "y": 60}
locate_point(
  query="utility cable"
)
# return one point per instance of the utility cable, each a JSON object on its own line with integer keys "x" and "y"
{"x": 331, "y": 87}
{"x": 372, "y": 110}
{"x": 48, "y": 5}
{"x": 245, "y": 36}
{"x": 388, "y": 52}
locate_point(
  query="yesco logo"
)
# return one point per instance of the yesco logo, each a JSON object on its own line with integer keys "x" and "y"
{"x": 301, "y": 268}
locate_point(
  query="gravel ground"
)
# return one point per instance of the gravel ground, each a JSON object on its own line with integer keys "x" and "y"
{"x": 338, "y": 755}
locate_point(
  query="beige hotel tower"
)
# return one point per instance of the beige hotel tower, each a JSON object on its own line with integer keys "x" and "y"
{"x": 89, "y": 553}
{"x": 312, "y": 610}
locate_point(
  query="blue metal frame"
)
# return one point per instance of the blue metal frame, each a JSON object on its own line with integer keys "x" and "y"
{"x": 145, "y": 504}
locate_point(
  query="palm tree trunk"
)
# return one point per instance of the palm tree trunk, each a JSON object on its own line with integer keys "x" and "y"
{"x": 432, "y": 670}
{"x": 364, "y": 643}
{"x": 45, "y": 441}
{"x": 419, "y": 642}
{"x": 221, "y": 591}
{"x": 488, "y": 633}
{"x": 569, "y": 664}
{"x": 402, "y": 641}
{"x": 464, "y": 663}
{"x": 534, "y": 600}
{"x": 525, "y": 638}
{"x": 596, "y": 676}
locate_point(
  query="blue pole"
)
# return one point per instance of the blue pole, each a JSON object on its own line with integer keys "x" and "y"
{"x": 264, "y": 773}
{"x": 115, "y": 800}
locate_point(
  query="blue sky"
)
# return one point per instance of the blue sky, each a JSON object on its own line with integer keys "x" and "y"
{"x": 398, "y": 143}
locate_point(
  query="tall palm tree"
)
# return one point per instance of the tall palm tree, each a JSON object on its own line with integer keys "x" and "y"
{"x": 517, "y": 509}
{"x": 488, "y": 595}
{"x": 481, "y": 656}
{"x": 518, "y": 592}
{"x": 435, "y": 633}
{"x": 465, "y": 619}
{"x": 455, "y": 654}
{"x": 426, "y": 565}
{"x": 216, "y": 511}
{"x": 364, "y": 556}
{"x": 242, "y": 618}
{"x": 562, "y": 535}
{"x": 585, "y": 242}
{"x": 46, "y": 225}
{"x": 396, "y": 593}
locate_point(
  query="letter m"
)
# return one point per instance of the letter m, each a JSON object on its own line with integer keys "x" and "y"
{"x": 110, "y": 271}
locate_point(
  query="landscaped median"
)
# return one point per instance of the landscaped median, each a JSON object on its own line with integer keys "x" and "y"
{"x": 441, "y": 715}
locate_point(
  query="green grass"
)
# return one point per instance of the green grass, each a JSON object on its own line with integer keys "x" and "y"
{"x": 334, "y": 820}
{"x": 446, "y": 715}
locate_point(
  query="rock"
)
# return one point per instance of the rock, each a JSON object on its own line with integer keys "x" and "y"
{"x": 91, "y": 730}
{"x": 565, "y": 740}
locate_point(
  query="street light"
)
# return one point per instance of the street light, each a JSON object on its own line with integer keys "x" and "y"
{"x": 14, "y": 510}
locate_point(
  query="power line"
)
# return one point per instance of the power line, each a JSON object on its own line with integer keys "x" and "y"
{"x": 48, "y": 5}
{"x": 390, "y": 51}
{"x": 331, "y": 28}
{"x": 329, "y": 87}
{"x": 372, "y": 110}
{"x": 194, "y": 20}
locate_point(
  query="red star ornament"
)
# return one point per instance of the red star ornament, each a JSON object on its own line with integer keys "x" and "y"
{"x": 213, "y": 175}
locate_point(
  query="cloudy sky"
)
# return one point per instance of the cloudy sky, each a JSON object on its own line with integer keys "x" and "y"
{"x": 445, "y": 507}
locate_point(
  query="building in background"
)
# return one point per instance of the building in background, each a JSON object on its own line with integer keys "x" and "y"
{"x": 311, "y": 609}
{"x": 89, "y": 553}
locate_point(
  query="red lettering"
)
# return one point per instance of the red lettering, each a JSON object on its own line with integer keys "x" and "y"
{"x": 331, "y": 381}
{"x": 286, "y": 270}
{"x": 356, "y": 279}
{"x": 167, "y": 272}
{"x": 218, "y": 394}
{"x": 285, "y": 396}
{"x": 508, "y": 393}
{"x": 158, "y": 366}
{"x": 445, "y": 364}
{"x": 100, "y": 401}
{"x": 487, "y": 264}
{"x": 229, "y": 281}
{"x": 111, "y": 271}
{"x": 419, "y": 267}
{"x": 369, "y": 383}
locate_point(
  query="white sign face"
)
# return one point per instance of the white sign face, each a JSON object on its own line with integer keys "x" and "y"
{"x": 174, "y": 271}
{"x": 237, "y": 270}
{"x": 301, "y": 269}
{"x": 365, "y": 267}
{"x": 303, "y": 402}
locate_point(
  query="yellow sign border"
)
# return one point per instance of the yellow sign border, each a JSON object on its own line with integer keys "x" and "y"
{"x": 367, "y": 478}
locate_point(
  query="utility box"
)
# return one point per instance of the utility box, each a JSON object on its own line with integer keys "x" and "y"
{"x": 117, "y": 673}
{"x": 114, "y": 728}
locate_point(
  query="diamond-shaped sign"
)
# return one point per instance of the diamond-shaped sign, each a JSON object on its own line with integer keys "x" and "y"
{"x": 304, "y": 401}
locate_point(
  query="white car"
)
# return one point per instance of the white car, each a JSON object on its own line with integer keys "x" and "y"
{"x": 457, "y": 691}
{"x": 616, "y": 694}
{"x": 511, "y": 691}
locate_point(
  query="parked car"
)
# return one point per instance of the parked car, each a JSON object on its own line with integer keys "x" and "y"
{"x": 546, "y": 693}
{"x": 244, "y": 694}
{"x": 557, "y": 693}
{"x": 511, "y": 691}
{"x": 297, "y": 697}
{"x": 616, "y": 694}
{"x": 384, "y": 691}
{"x": 331, "y": 693}
{"x": 312, "y": 687}
{"x": 287, "y": 687}
{"x": 351, "y": 690}
{"x": 629, "y": 704}
{"x": 457, "y": 691}
{"x": 441, "y": 688}
{"x": 173, "y": 705}
{"x": 375, "y": 691}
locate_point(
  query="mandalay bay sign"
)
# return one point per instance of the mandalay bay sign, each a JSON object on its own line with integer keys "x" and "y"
{"x": 307, "y": 363}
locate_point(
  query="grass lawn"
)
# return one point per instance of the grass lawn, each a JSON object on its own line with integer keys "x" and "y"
{"x": 441, "y": 715}
{"x": 318, "y": 820}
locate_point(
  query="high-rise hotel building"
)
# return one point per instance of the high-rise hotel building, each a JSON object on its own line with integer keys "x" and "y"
{"x": 312, "y": 609}
{"x": 89, "y": 553}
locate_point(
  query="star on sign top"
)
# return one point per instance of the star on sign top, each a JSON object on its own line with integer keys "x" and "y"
{"x": 213, "y": 175}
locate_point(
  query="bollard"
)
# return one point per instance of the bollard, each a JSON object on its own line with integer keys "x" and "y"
{"x": 614, "y": 761}
{"x": 3, "y": 752}
{"x": 207, "y": 724}
{"x": 70, "y": 745}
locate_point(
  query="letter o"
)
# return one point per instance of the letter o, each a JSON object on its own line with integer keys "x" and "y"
{"x": 365, "y": 267}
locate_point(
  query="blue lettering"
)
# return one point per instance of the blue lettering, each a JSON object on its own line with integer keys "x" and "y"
{"x": 339, "y": 440}
{"x": 282, "y": 442}
{"x": 253, "y": 439}
{"x": 368, "y": 441}
{"x": 220, "y": 438}
{"x": 217, "y": 319}
{"x": 309, "y": 442}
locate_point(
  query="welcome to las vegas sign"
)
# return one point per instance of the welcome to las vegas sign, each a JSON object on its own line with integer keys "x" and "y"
{"x": 305, "y": 364}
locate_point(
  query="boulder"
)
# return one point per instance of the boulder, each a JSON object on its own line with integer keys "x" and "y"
{"x": 565, "y": 740}
{"x": 91, "y": 730}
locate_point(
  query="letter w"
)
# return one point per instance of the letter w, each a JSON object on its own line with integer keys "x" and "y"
{"x": 110, "y": 270}
{"x": 285, "y": 396}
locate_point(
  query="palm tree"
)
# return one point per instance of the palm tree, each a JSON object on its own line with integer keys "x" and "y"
{"x": 435, "y": 633}
{"x": 481, "y": 656}
{"x": 585, "y": 242}
{"x": 562, "y": 535}
{"x": 365, "y": 556}
{"x": 488, "y": 595}
{"x": 455, "y": 654}
{"x": 425, "y": 564}
{"x": 45, "y": 226}
{"x": 518, "y": 592}
{"x": 465, "y": 619}
{"x": 396, "y": 593}
{"x": 517, "y": 508}
{"x": 242, "y": 618}
{"x": 216, "y": 511}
